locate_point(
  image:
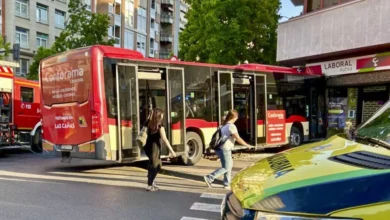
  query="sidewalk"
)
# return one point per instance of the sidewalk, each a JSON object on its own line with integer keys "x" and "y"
{"x": 206, "y": 166}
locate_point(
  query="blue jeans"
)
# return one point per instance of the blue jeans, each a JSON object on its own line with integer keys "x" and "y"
{"x": 226, "y": 169}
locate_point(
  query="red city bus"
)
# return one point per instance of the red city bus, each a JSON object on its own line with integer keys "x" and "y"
{"x": 94, "y": 100}
{"x": 19, "y": 111}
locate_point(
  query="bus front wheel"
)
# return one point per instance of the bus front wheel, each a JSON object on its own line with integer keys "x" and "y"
{"x": 194, "y": 149}
{"x": 36, "y": 143}
{"x": 296, "y": 137}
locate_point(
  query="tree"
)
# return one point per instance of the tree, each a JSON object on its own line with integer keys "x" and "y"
{"x": 230, "y": 31}
{"x": 5, "y": 48}
{"x": 83, "y": 28}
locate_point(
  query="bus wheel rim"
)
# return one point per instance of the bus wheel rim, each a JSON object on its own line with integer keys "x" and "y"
{"x": 192, "y": 148}
{"x": 295, "y": 139}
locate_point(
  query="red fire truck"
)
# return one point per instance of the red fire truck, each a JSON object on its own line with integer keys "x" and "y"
{"x": 20, "y": 114}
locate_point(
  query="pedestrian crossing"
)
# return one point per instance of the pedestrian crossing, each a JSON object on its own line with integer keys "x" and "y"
{"x": 211, "y": 204}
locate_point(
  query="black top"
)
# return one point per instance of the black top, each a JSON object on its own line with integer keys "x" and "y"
{"x": 153, "y": 138}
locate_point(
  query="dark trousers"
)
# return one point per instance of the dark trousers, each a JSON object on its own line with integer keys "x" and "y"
{"x": 154, "y": 153}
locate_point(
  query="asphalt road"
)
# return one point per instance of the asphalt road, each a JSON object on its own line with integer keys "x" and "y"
{"x": 33, "y": 187}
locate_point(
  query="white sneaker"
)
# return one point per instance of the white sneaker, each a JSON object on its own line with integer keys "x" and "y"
{"x": 227, "y": 187}
{"x": 206, "y": 179}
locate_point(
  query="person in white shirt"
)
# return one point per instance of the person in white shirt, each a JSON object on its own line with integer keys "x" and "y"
{"x": 229, "y": 131}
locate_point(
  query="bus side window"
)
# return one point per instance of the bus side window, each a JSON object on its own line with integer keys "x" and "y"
{"x": 27, "y": 94}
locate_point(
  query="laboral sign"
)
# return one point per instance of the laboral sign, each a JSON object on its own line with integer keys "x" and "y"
{"x": 368, "y": 63}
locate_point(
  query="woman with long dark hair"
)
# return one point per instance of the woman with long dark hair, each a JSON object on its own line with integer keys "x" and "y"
{"x": 230, "y": 133}
{"x": 156, "y": 135}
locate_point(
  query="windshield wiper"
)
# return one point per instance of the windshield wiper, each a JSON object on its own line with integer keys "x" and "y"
{"x": 374, "y": 141}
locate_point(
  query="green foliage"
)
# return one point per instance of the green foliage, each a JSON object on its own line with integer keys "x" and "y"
{"x": 4, "y": 47}
{"x": 230, "y": 31}
{"x": 34, "y": 67}
{"x": 83, "y": 28}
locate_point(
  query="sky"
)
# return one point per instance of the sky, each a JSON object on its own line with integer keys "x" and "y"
{"x": 289, "y": 10}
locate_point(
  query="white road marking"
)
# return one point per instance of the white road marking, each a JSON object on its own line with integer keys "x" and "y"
{"x": 191, "y": 218}
{"x": 19, "y": 204}
{"x": 213, "y": 196}
{"x": 206, "y": 207}
{"x": 27, "y": 180}
{"x": 112, "y": 182}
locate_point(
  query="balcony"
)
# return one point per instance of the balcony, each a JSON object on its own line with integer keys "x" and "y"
{"x": 352, "y": 26}
{"x": 183, "y": 8}
{"x": 167, "y": 2}
{"x": 118, "y": 20}
{"x": 182, "y": 25}
{"x": 167, "y": 18}
{"x": 165, "y": 54}
{"x": 165, "y": 37}
{"x": 183, "y": 19}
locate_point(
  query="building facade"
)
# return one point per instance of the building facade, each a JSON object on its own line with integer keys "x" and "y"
{"x": 32, "y": 24}
{"x": 149, "y": 26}
{"x": 348, "y": 41}
{"x": 134, "y": 24}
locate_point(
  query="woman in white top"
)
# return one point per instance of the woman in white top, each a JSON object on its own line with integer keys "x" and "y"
{"x": 228, "y": 130}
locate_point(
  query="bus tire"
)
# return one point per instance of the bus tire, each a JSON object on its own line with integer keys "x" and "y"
{"x": 195, "y": 149}
{"x": 36, "y": 143}
{"x": 296, "y": 137}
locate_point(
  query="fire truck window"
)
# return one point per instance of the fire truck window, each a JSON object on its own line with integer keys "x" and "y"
{"x": 27, "y": 94}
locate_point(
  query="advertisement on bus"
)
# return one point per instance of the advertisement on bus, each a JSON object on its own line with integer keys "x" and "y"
{"x": 66, "y": 86}
{"x": 276, "y": 127}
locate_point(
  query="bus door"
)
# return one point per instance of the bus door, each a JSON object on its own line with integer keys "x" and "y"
{"x": 127, "y": 111}
{"x": 225, "y": 94}
{"x": 260, "y": 99}
{"x": 176, "y": 110}
{"x": 249, "y": 95}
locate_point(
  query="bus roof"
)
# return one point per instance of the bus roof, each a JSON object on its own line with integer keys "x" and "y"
{"x": 124, "y": 53}
{"x": 266, "y": 68}
{"x": 121, "y": 53}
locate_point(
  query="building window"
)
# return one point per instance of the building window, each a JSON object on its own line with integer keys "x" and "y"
{"x": 60, "y": 19}
{"x": 152, "y": 23}
{"x": 88, "y": 5}
{"x": 141, "y": 42}
{"x": 153, "y": 6}
{"x": 42, "y": 40}
{"x": 22, "y": 37}
{"x": 141, "y": 24}
{"x": 330, "y": 3}
{"x": 42, "y": 14}
{"x": 23, "y": 69}
{"x": 111, "y": 31}
{"x": 129, "y": 13}
{"x": 129, "y": 40}
{"x": 21, "y": 8}
{"x": 314, "y": 5}
{"x": 111, "y": 8}
{"x": 27, "y": 94}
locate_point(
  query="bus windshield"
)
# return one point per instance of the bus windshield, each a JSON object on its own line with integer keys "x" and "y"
{"x": 378, "y": 126}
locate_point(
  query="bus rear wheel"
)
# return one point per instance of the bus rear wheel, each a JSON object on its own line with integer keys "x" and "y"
{"x": 296, "y": 137}
{"x": 36, "y": 143}
{"x": 194, "y": 149}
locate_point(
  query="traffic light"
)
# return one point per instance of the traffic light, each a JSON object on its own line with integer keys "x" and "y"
{"x": 16, "y": 52}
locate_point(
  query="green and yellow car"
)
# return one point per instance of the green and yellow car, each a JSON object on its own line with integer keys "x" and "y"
{"x": 343, "y": 177}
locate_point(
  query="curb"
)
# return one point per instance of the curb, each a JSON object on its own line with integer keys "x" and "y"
{"x": 187, "y": 176}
